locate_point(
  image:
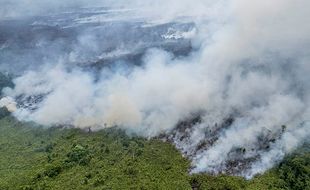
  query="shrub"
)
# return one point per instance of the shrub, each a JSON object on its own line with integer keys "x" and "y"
{"x": 79, "y": 155}
{"x": 295, "y": 171}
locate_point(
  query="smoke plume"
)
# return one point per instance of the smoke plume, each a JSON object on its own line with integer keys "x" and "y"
{"x": 234, "y": 98}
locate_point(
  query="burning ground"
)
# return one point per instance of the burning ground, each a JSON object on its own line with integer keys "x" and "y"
{"x": 227, "y": 82}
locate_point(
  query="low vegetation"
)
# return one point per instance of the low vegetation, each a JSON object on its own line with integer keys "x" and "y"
{"x": 32, "y": 157}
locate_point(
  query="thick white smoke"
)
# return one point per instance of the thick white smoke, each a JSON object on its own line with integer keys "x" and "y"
{"x": 251, "y": 64}
{"x": 8, "y": 103}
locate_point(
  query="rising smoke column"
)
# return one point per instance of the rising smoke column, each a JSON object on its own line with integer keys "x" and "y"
{"x": 250, "y": 68}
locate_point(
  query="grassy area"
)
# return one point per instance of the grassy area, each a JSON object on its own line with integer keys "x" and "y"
{"x": 37, "y": 158}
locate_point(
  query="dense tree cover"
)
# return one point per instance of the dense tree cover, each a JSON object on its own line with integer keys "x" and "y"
{"x": 32, "y": 157}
